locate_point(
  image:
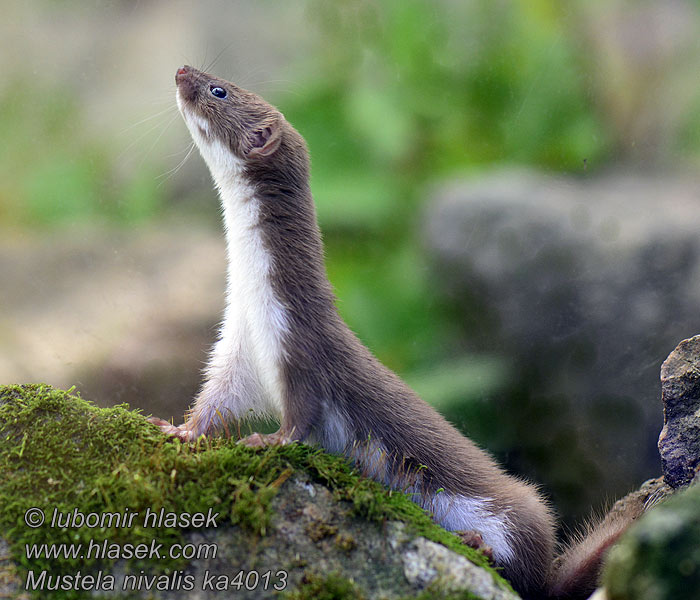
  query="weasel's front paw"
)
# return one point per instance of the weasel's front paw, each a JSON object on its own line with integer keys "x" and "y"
{"x": 473, "y": 539}
{"x": 183, "y": 432}
{"x": 260, "y": 440}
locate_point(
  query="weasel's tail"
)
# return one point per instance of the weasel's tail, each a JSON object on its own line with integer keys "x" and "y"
{"x": 576, "y": 572}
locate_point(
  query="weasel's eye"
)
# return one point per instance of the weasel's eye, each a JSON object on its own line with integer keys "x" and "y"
{"x": 219, "y": 92}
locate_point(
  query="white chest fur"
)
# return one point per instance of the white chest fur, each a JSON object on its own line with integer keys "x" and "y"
{"x": 255, "y": 322}
{"x": 244, "y": 374}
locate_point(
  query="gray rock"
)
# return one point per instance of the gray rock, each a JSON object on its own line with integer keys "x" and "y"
{"x": 585, "y": 284}
{"x": 304, "y": 523}
{"x": 427, "y": 563}
{"x": 11, "y": 585}
{"x": 679, "y": 442}
{"x": 312, "y": 536}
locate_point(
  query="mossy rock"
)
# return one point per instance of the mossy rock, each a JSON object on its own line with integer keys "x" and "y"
{"x": 659, "y": 558}
{"x": 295, "y": 513}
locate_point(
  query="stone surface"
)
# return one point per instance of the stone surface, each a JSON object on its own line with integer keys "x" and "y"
{"x": 313, "y": 536}
{"x": 427, "y": 563}
{"x": 585, "y": 284}
{"x": 309, "y": 538}
{"x": 300, "y": 515}
{"x": 11, "y": 585}
{"x": 679, "y": 442}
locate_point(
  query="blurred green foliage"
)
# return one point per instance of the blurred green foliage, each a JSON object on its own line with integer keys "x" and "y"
{"x": 52, "y": 173}
{"x": 399, "y": 94}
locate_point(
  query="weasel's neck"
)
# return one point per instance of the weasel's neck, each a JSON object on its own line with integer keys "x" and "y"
{"x": 286, "y": 218}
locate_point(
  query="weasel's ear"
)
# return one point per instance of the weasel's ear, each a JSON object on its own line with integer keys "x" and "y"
{"x": 266, "y": 140}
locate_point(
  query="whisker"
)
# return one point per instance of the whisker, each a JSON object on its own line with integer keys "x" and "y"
{"x": 185, "y": 60}
{"x": 264, "y": 87}
{"x": 155, "y": 142}
{"x": 179, "y": 152}
{"x": 246, "y": 79}
{"x": 158, "y": 114}
{"x": 206, "y": 53}
{"x": 217, "y": 57}
{"x": 144, "y": 134}
{"x": 168, "y": 174}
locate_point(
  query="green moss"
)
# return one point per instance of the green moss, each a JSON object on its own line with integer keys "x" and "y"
{"x": 317, "y": 530}
{"x": 325, "y": 587}
{"x": 345, "y": 542}
{"x": 431, "y": 593}
{"x": 374, "y": 502}
{"x": 60, "y": 452}
{"x": 334, "y": 586}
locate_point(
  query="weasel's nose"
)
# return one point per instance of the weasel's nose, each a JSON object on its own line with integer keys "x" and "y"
{"x": 186, "y": 82}
{"x": 183, "y": 71}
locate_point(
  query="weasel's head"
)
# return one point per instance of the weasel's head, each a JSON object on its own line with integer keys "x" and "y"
{"x": 237, "y": 132}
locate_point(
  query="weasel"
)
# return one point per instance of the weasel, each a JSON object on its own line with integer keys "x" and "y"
{"x": 285, "y": 352}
